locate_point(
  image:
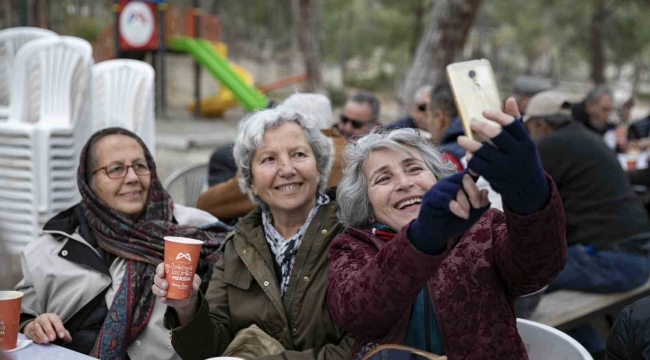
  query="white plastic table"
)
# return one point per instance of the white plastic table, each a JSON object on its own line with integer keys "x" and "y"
{"x": 46, "y": 352}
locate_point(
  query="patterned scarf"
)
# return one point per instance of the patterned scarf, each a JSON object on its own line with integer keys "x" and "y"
{"x": 141, "y": 243}
{"x": 285, "y": 250}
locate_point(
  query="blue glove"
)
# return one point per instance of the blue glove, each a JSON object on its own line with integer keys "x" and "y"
{"x": 436, "y": 224}
{"x": 513, "y": 169}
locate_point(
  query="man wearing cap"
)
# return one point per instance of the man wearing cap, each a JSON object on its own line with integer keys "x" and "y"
{"x": 526, "y": 87}
{"x": 607, "y": 228}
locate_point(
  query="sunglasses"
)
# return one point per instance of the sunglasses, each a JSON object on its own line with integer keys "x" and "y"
{"x": 355, "y": 123}
{"x": 422, "y": 108}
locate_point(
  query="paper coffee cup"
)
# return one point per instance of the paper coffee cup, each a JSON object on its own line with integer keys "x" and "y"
{"x": 181, "y": 259}
{"x": 632, "y": 159}
{"x": 10, "y": 302}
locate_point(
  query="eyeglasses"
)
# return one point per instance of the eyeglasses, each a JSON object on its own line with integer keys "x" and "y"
{"x": 118, "y": 171}
{"x": 422, "y": 107}
{"x": 355, "y": 123}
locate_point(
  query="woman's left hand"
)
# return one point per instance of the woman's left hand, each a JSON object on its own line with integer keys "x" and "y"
{"x": 512, "y": 165}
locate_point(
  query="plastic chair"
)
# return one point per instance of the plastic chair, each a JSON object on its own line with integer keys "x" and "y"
{"x": 186, "y": 184}
{"x": 11, "y": 40}
{"x": 123, "y": 95}
{"x": 546, "y": 343}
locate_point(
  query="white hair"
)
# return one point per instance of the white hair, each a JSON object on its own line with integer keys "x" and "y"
{"x": 251, "y": 135}
{"x": 352, "y": 194}
{"x": 316, "y": 105}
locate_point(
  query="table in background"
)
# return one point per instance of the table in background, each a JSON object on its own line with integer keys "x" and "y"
{"x": 46, "y": 352}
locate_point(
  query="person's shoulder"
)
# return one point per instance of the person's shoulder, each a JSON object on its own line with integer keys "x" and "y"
{"x": 190, "y": 216}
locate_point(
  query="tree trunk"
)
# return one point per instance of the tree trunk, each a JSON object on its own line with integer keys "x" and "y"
{"x": 309, "y": 47}
{"x": 440, "y": 44}
{"x": 636, "y": 81}
{"x": 418, "y": 25}
{"x": 42, "y": 14}
{"x": 296, "y": 56}
{"x": 597, "y": 48}
{"x": 7, "y": 13}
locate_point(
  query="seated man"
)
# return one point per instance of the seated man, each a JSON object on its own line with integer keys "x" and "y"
{"x": 526, "y": 87}
{"x": 607, "y": 226}
{"x": 444, "y": 122}
{"x": 417, "y": 117}
{"x": 230, "y": 203}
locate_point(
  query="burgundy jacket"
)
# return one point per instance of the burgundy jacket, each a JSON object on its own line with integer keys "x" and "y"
{"x": 473, "y": 284}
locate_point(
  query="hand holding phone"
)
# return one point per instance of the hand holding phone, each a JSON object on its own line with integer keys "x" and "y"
{"x": 475, "y": 90}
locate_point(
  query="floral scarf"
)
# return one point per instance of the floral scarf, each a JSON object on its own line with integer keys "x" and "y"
{"x": 141, "y": 244}
{"x": 283, "y": 249}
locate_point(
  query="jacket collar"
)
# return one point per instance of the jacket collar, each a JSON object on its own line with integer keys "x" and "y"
{"x": 63, "y": 227}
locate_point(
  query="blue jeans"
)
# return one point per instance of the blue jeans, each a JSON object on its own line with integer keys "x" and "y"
{"x": 605, "y": 271}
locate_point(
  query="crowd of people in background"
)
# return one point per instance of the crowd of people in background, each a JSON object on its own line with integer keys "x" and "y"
{"x": 327, "y": 238}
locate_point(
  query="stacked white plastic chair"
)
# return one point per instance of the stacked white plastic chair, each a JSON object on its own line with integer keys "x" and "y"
{"x": 40, "y": 142}
{"x": 11, "y": 40}
{"x": 123, "y": 95}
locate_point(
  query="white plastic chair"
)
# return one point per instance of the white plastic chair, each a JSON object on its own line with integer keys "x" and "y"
{"x": 11, "y": 40}
{"x": 123, "y": 95}
{"x": 48, "y": 123}
{"x": 546, "y": 343}
{"x": 186, "y": 184}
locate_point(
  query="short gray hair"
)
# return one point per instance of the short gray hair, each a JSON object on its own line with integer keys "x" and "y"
{"x": 317, "y": 105}
{"x": 598, "y": 92}
{"x": 251, "y": 135}
{"x": 366, "y": 97}
{"x": 421, "y": 90}
{"x": 352, "y": 194}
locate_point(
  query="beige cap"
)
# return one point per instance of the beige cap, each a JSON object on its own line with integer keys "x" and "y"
{"x": 548, "y": 103}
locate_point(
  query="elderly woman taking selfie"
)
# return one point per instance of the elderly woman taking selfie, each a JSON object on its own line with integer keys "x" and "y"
{"x": 273, "y": 270}
{"x": 425, "y": 263}
{"x": 87, "y": 280}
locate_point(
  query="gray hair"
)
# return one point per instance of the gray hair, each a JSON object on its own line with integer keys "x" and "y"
{"x": 352, "y": 194}
{"x": 598, "y": 92}
{"x": 366, "y": 97}
{"x": 251, "y": 135}
{"x": 317, "y": 105}
{"x": 421, "y": 90}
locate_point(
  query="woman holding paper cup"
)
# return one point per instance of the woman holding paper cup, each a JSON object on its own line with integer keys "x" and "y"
{"x": 273, "y": 270}
{"x": 87, "y": 280}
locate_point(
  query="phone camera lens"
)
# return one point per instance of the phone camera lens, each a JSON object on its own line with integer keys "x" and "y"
{"x": 472, "y": 74}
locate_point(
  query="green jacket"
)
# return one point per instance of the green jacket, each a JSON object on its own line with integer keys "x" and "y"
{"x": 244, "y": 291}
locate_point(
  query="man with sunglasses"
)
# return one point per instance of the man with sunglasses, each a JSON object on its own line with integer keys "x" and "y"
{"x": 359, "y": 116}
{"x": 417, "y": 117}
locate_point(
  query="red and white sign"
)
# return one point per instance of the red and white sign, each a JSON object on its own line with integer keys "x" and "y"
{"x": 138, "y": 26}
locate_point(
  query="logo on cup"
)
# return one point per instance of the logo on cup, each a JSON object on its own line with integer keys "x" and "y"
{"x": 184, "y": 256}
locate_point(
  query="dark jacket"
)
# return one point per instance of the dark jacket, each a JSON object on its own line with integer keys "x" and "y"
{"x": 629, "y": 339}
{"x": 600, "y": 205}
{"x": 244, "y": 291}
{"x": 406, "y": 122}
{"x": 639, "y": 130}
{"x": 449, "y": 143}
{"x": 473, "y": 283}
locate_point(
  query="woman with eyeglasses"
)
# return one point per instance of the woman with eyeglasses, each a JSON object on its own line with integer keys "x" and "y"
{"x": 87, "y": 281}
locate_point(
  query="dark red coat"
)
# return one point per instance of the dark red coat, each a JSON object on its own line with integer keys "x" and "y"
{"x": 473, "y": 284}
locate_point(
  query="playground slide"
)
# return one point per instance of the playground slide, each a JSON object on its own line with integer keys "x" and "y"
{"x": 229, "y": 75}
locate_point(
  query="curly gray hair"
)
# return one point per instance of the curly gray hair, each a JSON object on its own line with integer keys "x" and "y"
{"x": 352, "y": 194}
{"x": 251, "y": 135}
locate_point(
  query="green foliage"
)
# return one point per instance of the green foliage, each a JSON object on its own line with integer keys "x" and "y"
{"x": 85, "y": 28}
{"x": 338, "y": 96}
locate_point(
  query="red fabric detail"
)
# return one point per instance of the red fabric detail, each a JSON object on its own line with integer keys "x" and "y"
{"x": 450, "y": 158}
{"x": 473, "y": 284}
{"x": 384, "y": 235}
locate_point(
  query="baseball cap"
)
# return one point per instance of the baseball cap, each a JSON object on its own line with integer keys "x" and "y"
{"x": 548, "y": 103}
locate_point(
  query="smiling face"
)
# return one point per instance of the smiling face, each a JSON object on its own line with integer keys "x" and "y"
{"x": 127, "y": 195}
{"x": 284, "y": 171}
{"x": 397, "y": 182}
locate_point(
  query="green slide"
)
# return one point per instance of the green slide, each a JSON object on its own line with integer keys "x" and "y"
{"x": 203, "y": 52}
